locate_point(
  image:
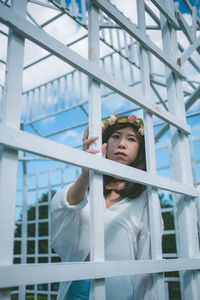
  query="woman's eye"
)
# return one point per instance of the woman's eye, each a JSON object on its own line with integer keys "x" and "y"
{"x": 115, "y": 136}
{"x": 131, "y": 140}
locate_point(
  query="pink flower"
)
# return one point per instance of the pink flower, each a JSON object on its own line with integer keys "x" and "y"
{"x": 132, "y": 118}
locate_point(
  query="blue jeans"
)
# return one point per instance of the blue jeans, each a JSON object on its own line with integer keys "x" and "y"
{"x": 79, "y": 290}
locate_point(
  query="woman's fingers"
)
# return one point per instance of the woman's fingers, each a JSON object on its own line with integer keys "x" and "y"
{"x": 92, "y": 151}
{"x": 87, "y": 142}
{"x": 103, "y": 150}
{"x": 86, "y": 133}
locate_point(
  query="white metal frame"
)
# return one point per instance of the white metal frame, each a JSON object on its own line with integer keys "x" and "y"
{"x": 13, "y": 139}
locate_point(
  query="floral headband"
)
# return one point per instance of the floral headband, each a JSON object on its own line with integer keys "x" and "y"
{"x": 138, "y": 122}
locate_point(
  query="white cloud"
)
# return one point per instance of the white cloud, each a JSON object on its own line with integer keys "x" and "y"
{"x": 45, "y": 122}
{"x": 71, "y": 134}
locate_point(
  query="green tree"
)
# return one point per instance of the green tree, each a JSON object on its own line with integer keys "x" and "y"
{"x": 43, "y": 226}
{"x": 169, "y": 244}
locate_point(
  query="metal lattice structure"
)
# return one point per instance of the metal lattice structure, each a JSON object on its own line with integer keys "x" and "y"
{"x": 148, "y": 64}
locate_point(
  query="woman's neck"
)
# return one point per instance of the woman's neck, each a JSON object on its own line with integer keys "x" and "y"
{"x": 113, "y": 195}
{"x": 112, "y": 198}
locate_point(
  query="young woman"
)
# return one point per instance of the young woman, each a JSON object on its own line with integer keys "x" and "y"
{"x": 127, "y": 233}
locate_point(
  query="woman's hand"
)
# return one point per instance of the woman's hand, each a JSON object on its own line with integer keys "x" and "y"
{"x": 87, "y": 141}
{"x": 76, "y": 192}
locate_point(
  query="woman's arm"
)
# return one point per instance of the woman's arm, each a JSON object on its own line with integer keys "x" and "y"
{"x": 77, "y": 190}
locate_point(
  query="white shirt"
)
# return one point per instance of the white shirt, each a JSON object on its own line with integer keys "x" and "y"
{"x": 127, "y": 237}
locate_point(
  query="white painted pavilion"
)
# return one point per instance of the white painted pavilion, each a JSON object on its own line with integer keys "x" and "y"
{"x": 66, "y": 64}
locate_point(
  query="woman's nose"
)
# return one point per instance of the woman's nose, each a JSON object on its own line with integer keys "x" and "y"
{"x": 122, "y": 143}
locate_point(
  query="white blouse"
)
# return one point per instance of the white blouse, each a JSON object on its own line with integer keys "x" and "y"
{"x": 127, "y": 237}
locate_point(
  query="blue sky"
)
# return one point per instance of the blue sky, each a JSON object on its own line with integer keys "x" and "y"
{"x": 183, "y": 7}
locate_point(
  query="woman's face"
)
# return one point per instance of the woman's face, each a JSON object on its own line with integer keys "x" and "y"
{"x": 123, "y": 145}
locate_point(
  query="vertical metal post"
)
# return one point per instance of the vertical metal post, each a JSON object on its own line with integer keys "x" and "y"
{"x": 154, "y": 203}
{"x": 97, "y": 291}
{"x": 8, "y": 158}
{"x": 24, "y": 234}
{"x": 182, "y": 171}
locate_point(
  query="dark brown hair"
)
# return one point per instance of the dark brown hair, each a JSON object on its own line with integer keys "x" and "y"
{"x": 131, "y": 189}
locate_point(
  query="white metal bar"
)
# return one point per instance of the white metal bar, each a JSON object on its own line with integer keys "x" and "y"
{"x": 184, "y": 26}
{"x": 66, "y": 92}
{"x": 52, "y": 45}
{"x": 102, "y": 32}
{"x": 192, "y": 98}
{"x": 13, "y": 275}
{"x": 43, "y": 4}
{"x": 52, "y": 97}
{"x": 154, "y": 203}
{"x": 46, "y": 96}
{"x": 34, "y": 113}
{"x": 27, "y": 100}
{"x": 83, "y": 8}
{"x": 59, "y": 94}
{"x": 97, "y": 290}
{"x": 39, "y": 102}
{"x": 36, "y": 238}
{"x": 80, "y": 96}
{"x": 194, "y": 22}
{"x": 73, "y": 8}
{"x": 8, "y": 157}
{"x": 24, "y": 226}
{"x": 131, "y": 28}
{"x": 188, "y": 52}
{"x": 38, "y": 145}
{"x": 73, "y": 89}
{"x": 186, "y": 210}
{"x": 166, "y": 12}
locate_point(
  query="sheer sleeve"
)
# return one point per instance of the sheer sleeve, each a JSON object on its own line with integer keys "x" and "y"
{"x": 68, "y": 227}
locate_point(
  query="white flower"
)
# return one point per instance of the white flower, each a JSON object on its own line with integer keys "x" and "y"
{"x": 112, "y": 119}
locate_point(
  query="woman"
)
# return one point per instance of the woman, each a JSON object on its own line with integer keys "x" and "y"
{"x": 127, "y": 233}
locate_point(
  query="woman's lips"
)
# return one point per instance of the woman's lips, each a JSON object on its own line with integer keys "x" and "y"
{"x": 120, "y": 154}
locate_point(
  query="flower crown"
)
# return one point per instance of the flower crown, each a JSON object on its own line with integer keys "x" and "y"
{"x": 138, "y": 122}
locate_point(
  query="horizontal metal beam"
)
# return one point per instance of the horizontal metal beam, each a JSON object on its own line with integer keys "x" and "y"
{"x": 164, "y": 10}
{"x": 28, "y": 142}
{"x": 188, "y": 52}
{"x": 41, "y": 38}
{"x": 193, "y": 97}
{"x": 16, "y": 275}
{"x": 131, "y": 28}
{"x": 44, "y": 4}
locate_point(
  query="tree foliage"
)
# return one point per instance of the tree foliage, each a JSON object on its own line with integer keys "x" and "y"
{"x": 37, "y": 223}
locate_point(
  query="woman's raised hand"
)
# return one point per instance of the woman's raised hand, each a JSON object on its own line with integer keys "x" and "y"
{"x": 87, "y": 141}
{"x": 77, "y": 190}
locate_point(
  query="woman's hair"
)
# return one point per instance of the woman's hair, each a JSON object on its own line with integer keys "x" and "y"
{"x": 131, "y": 189}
